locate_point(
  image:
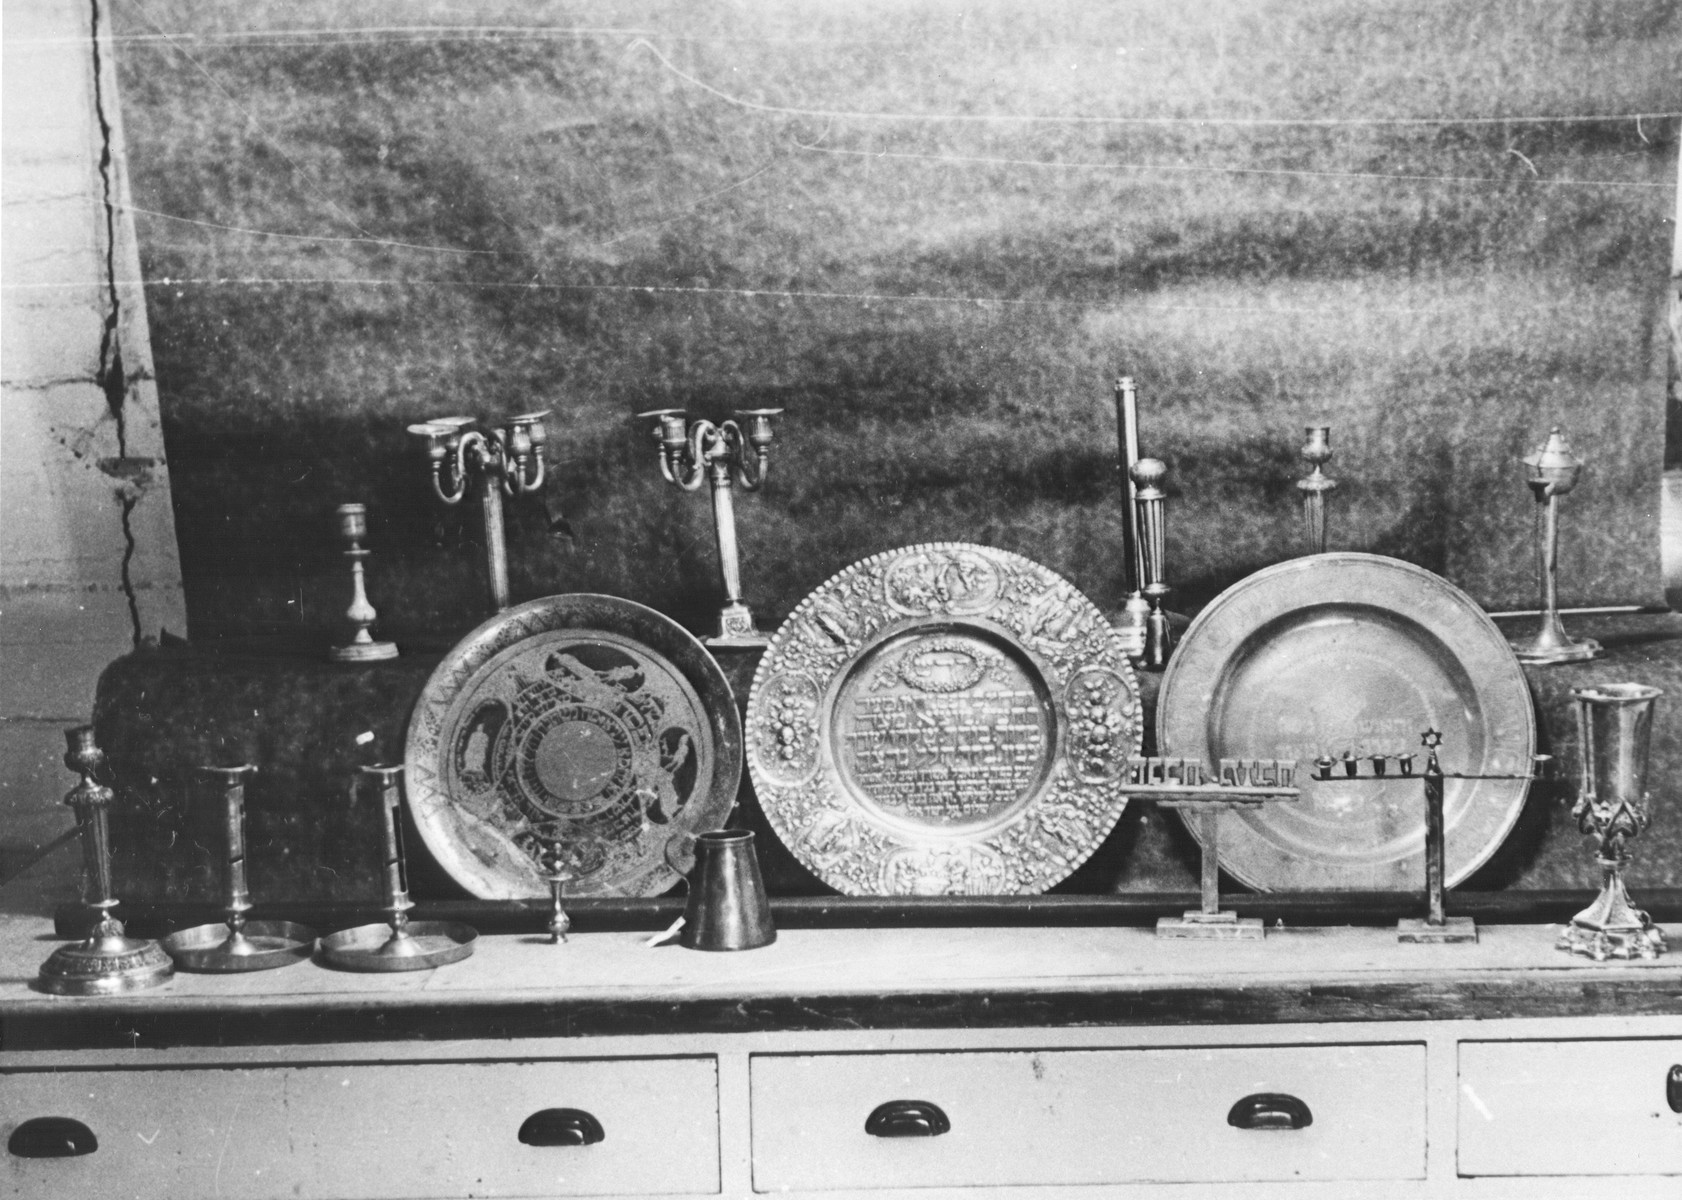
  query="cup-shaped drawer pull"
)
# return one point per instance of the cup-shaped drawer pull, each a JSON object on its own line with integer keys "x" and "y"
{"x": 52, "y": 1137}
{"x": 1269, "y": 1110}
{"x": 907, "y": 1118}
{"x": 561, "y": 1127}
{"x": 1673, "y": 1088}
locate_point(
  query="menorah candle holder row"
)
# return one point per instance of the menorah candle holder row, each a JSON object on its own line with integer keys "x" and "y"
{"x": 1436, "y": 925}
{"x": 1188, "y": 783}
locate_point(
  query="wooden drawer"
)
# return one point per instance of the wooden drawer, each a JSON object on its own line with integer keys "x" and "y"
{"x": 1569, "y": 1108}
{"x": 1088, "y": 1116}
{"x": 411, "y": 1130}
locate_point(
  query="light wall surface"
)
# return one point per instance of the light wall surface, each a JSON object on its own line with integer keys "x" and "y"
{"x": 88, "y": 562}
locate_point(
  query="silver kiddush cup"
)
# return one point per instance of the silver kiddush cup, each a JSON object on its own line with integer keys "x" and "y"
{"x": 728, "y": 908}
{"x": 1614, "y": 729}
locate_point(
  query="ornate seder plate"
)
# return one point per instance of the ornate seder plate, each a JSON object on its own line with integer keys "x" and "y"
{"x": 1354, "y": 653}
{"x": 943, "y": 719}
{"x": 585, "y": 717}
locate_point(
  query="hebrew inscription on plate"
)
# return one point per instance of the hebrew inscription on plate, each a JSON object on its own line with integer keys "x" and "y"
{"x": 588, "y": 738}
{"x": 943, "y": 719}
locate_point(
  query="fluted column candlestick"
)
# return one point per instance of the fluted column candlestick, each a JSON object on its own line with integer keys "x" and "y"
{"x": 1317, "y": 450}
{"x": 107, "y": 961}
{"x": 1148, "y": 475}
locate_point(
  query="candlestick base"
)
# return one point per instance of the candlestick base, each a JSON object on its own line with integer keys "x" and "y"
{"x": 219, "y": 949}
{"x": 1216, "y": 926}
{"x": 736, "y": 629}
{"x": 412, "y": 946}
{"x": 1612, "y": 927}
{"x": 1542, "y": 649}
{"x": 356, "y": 652}
{"x": 1602, "y": 944}
{"x": 1420, "y": 931}
{"x": 106, "y": 964}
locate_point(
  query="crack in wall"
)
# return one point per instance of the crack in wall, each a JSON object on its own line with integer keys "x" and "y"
{"x": 112, "y": 380}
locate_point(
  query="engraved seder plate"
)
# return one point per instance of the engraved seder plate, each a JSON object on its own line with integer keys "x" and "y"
{"x": 943, "y": 719}
{"x": 1354, "y": 653}
{"x": 585, "y": 717}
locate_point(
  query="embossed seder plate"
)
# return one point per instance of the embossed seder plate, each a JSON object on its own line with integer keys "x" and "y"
{"x": 585, "y": 717}
{"x": 1353, "y": 653}
{"x": 943, "y": 719}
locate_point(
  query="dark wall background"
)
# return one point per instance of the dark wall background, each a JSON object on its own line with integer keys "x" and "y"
{"x": 935, "y": 232}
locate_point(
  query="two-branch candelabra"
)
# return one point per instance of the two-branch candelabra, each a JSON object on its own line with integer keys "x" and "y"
{"x": 464, "y": 452}
{"x": 729, "y": 454}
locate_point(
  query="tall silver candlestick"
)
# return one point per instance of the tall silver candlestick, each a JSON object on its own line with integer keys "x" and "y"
{"x": 1317, "y": 450}
{"x": 735, "y": 452}
{"x": 108, "y": 960}
{"x": 1553, "y": 472}
{"x": 1135, "y": 613}
{"x": 1148, "y": 475}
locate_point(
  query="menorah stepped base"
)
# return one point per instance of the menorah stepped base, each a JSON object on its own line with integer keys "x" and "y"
{"x": 1417, "y": 930}
{"x": 1217, "y": 926}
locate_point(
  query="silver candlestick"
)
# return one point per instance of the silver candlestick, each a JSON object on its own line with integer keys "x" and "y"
{"x": 107, "y": 961}
{"x": 1553, "y": 472}
{"x": 1131, "y": 622}
{"x": 506, "y": 459}
{"x": 1614, "y": 729}
{"x": 353, "y": 528}
{"x": 1317, "y": 450}
{"x": 397, "y": 943}
{"x": 1148, "y": 474}
{"x": 734, "y": 452}
{"x": 235, "y": 944}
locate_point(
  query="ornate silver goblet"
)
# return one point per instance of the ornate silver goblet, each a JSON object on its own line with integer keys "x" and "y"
{"x": 1614, "y": 729}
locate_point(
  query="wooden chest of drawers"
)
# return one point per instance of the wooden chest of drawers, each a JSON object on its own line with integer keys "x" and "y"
{"x": 1071, "y": 1063}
